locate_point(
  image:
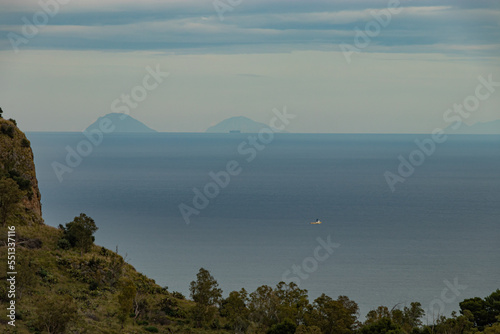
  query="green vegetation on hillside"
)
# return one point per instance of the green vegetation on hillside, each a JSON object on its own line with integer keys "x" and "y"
{"x": 10, "y": 196}
{"x": 90, "y": 289}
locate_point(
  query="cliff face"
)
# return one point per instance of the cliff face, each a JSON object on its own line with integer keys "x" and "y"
{"x": 16, "y": 162}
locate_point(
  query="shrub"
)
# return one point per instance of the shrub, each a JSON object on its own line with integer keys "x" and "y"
{"x": 55, "y": 313}
{"x": 126, "y": 301}
{"x": 13, "y": 121}
{"x": 46, "y": 276}
{"x": 25, "y": 143}
{"x": 95, "y": 263}
{"x": 178, "y": 295}
{"x": 151, "y": 329}
{"x": 19, "y": 316}
{"x": 63, "y": 244}
{"x": 80, "y": 232}
{"x": 94, "y": 285}
{"x": 103, "y": 252}
{"x": 169, "y": 306}
{"x": 23, "y": 183}
{"x": 65, "y": 263}
{"x": 115, "y": 270}
{"x": 8, "y": 130}
{"x": 161, "y": 319}
{"x": 42, "y": 273}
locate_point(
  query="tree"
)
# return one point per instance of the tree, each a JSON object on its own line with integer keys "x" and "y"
{"x": 493, "y": 305}
{"x": 477, "y": 307}
{"x": 494, "y": 329}
{"x": 381, "y": 326}
{"x": 205, "y": 289}
{"x": 285, "y": 327}
{"x": 264, "y": 306}
{"x": 484, "y": 310}
{"x": 303, "y": 329}
{"x": 10, "y": 195}
{"x": 80, "y": 232}
{"x": 206, "y": 293}
{"x": 333, "y": 316}
{"x": 1, "y": 112}
{"x": 235, "y": 309}
{"x": 456, "y": 324}
{"x": 55, "y": 313}
{"x": 412, "y": 316}
{"x": 170, "y": 306}
{"x": 126, "y": 300}
{"x": 382, "y": 320}
{"x": 269, "y": 307}
{"x": 375, "y": 315}
{"x": 140, "y": 304}
{"x": 292, "y": 302}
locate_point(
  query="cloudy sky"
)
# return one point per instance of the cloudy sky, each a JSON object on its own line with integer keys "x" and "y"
{"x": 339, "y": 65}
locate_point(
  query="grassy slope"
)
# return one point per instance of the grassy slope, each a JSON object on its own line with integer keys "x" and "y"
{"x": 49, "y": 271}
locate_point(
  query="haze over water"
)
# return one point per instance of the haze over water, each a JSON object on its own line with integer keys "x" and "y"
{"x": 441, "y": 224}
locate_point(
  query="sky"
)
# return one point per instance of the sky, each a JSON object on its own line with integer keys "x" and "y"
{"x": 340, "y": 66}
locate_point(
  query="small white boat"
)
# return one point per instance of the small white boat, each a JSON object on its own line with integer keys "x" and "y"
{"x": 317, "y": 222}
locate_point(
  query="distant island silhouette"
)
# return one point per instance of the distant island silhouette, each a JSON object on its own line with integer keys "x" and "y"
{"x": 122, "y": 123}
{"x": 239, "y": 124}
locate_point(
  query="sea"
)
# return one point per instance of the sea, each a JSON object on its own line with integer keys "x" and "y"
{"x": 404, "y": 218}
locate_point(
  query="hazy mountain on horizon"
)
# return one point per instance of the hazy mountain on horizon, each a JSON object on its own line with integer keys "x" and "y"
{"x": 122, "y": 123}
{"x": 238, "y": 123}
{"x": 479, "y": 128}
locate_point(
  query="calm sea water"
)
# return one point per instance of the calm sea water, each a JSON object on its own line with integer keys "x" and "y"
{"x": 440, "y": 227}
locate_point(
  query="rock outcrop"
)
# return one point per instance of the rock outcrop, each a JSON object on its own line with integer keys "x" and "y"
{"x": 16, "y": 162}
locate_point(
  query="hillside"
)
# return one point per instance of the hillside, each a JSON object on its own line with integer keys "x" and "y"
{"x": 48, "y": 275}
{"x": 122, "y": 123}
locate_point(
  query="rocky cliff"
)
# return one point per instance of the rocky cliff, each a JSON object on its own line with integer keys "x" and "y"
{"x": 16, "y": 162}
